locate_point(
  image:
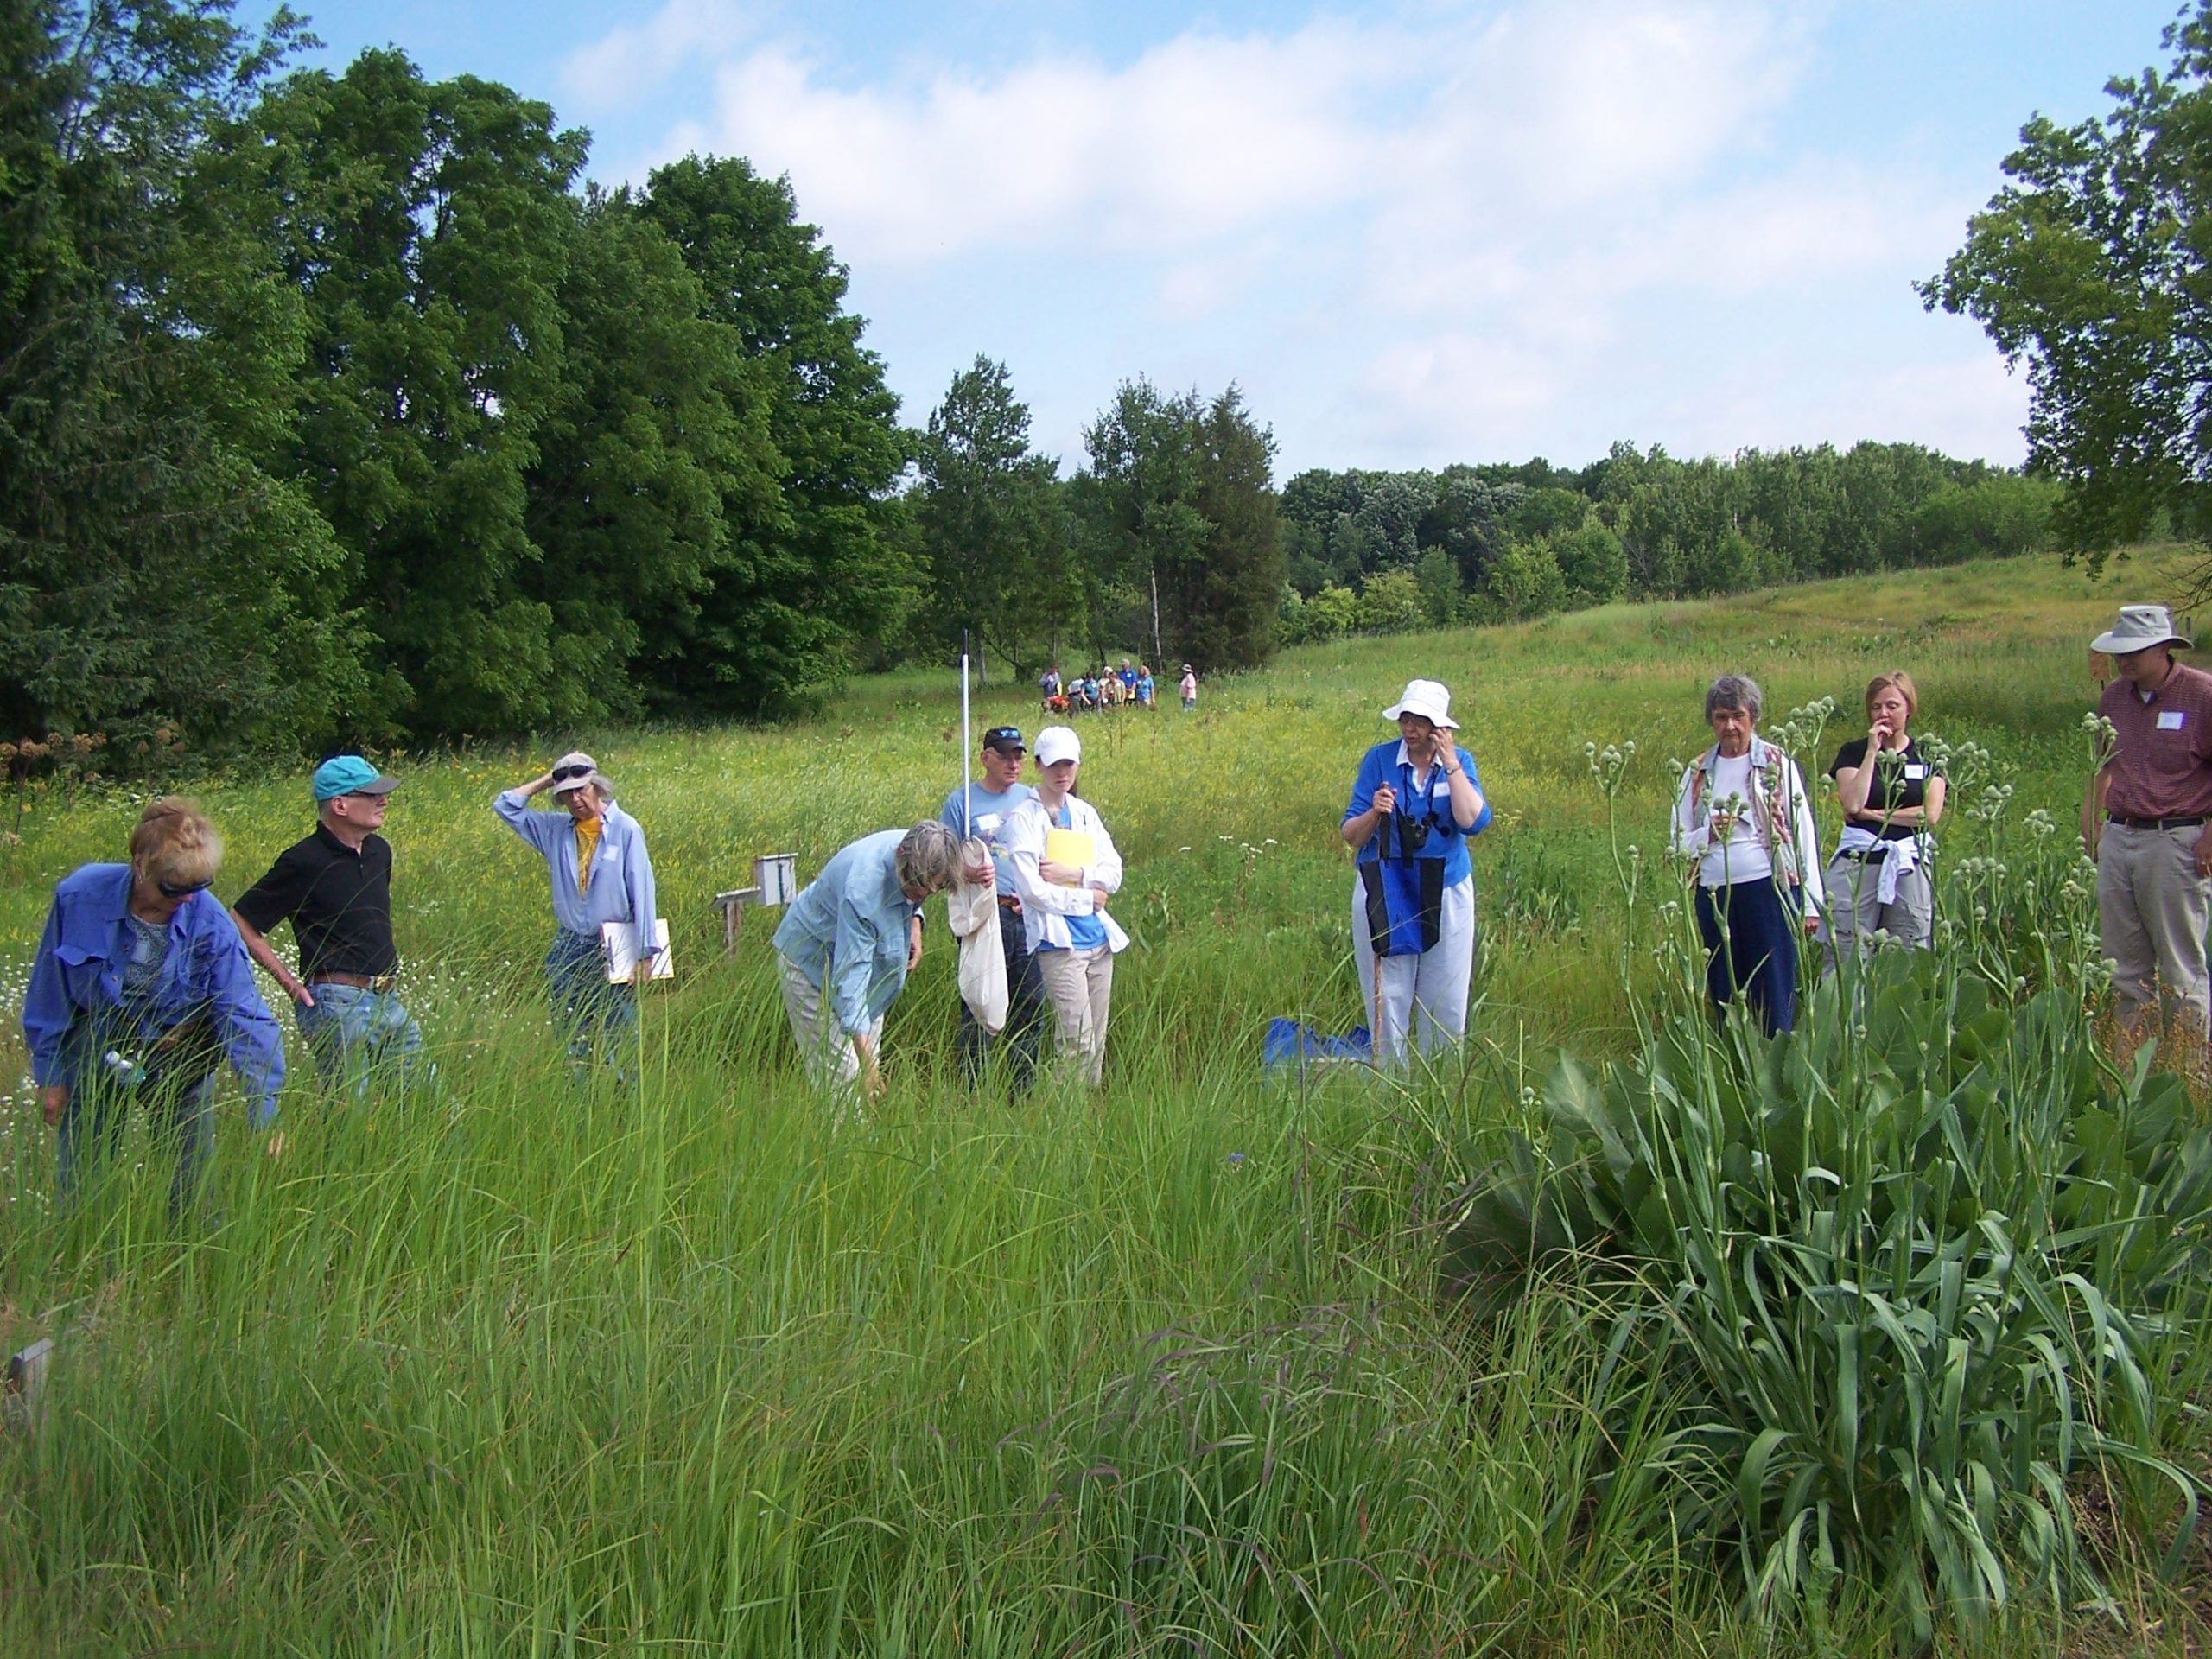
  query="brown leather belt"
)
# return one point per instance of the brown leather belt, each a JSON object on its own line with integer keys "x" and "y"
{"x": 1007, "y": 901}
{"x": 380, "y": 983}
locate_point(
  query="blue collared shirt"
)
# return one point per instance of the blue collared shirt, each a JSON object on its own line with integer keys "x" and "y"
{"x": 848, "y": 932}
{"x": 621, "y": 887}
{"x": 77, "y": 974}
{"x": 1387, "y": 763}
{"x": 985, "y": 815}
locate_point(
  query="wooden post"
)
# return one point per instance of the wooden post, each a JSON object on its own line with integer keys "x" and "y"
{"x": 732, "y": 906}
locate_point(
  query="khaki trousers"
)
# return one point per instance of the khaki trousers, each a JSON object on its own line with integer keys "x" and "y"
{"x": 823, "y": 1048}
{"x": 1079, "y": 984}
{"x": 2151, "y": 909}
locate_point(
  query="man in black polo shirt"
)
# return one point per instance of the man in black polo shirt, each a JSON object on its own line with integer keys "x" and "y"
{"x": 335, "y": 886}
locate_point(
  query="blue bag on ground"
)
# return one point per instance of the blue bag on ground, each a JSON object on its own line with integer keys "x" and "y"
{"x": 1291, "y": 1042}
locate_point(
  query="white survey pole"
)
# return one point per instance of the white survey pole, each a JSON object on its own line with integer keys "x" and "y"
{"x": 967, "y": 812}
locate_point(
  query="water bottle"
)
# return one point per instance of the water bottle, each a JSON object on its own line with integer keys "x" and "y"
{"x": 122, "y": 1070}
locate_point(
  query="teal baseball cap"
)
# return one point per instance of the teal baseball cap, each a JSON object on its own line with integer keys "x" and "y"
{"x": 348, "y": 775}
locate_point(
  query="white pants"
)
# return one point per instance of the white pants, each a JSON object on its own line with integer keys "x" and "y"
{"x": 1434, "y": 984}
{"x": 822, "y": 1045}
{"x": 1079, "y": 984}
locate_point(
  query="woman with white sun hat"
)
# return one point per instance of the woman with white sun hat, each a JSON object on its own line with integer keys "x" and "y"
{"x": 1413, "y": 805}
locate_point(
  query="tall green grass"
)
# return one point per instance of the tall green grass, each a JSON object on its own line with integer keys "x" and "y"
{"x": 523, "y": 1368}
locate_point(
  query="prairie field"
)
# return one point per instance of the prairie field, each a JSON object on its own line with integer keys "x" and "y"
{"x": 509, "y": 1365}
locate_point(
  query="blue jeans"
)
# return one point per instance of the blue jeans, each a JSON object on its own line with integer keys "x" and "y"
{"x": 355, "y": 1035}
{"x": 173, "y": 1077}
{"x": 599, "y": 1021}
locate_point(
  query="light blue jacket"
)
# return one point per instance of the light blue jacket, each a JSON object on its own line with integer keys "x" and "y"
{"x": 848, "y": 932}
{"x": 621, "y": 876}
{"x": 76, "y": 985}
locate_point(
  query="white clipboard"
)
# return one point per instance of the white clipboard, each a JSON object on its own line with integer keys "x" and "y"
{"x": 619, "y": 941}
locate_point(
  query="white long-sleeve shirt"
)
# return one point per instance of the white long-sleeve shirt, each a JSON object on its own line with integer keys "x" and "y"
{"x": 1046, "y": 905}
{"x": 1745, "y": 854}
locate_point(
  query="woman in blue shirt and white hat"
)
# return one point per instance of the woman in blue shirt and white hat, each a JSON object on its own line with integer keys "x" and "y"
{"x": 595, "y": 854}
{"x": 1413, "y": 805}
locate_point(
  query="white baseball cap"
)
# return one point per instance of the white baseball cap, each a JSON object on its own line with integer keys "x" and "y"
{"x": 1428, "y": 699}
{"x": 1056, "y": 744}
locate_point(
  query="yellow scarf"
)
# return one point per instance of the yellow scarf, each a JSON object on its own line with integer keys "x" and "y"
{"x": 587, "y": 844}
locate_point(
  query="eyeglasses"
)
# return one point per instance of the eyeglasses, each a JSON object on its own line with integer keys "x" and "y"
{"x": 171, "y": 891}
{"x": 561, "y": 774}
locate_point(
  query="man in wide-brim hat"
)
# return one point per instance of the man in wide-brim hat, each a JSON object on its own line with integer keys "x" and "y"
{"x": 2143, "y": 821}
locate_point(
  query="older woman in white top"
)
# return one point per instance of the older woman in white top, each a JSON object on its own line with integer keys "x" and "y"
{"x": 1742, "y": 816}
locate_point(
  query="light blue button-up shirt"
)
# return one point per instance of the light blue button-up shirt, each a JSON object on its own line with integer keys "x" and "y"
{"x": 77, "y": 976}
{"x": 621, "y": 887}
{"x": 848, "y": 932}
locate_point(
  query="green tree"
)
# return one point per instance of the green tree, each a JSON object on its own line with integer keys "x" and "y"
{"x": 150, "y": 570}
{"x": 818, "y": 572}
{"x": 428, "y": 227}
{"x": 1223, "y": 616}
{"x": 2090, "y": 267}
{"x": 1526, "y": 582}
{"x": 1592, "y": 563}
{"x": 654, "y": 426}
{"x": 1438, "y": 577}
{"x": 1390, "y": 602}
{"x": 988, "y": 516}
{"x": 1331, "y": 614}
{"x": 1143, "y": 526}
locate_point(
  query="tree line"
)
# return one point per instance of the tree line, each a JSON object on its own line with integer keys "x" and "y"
{"x": 339, "y": 407}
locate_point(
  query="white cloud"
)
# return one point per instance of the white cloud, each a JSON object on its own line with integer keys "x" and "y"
{"x": 1199, "y": 138}
{"x": 1446, "y": 233}
{"x": 632, "y": 61}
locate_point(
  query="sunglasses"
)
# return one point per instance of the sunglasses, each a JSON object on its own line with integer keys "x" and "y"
{"x": 561, "y": 774}
{"x": 170, "y": 891}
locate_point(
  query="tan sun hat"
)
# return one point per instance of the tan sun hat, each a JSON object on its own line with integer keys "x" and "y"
{"x": 2139, "y": 627}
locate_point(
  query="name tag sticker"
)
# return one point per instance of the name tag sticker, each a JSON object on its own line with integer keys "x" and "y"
{"x": 2170, "y": 721}
{"x": 1914, "y": 773}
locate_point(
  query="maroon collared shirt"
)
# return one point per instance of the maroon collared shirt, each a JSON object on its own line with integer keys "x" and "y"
{"x": 2163, "y": 765}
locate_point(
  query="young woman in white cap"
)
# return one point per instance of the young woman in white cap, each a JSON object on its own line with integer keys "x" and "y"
{"x": 1413, "y": 806}
{"x": 1072, "y": 938}
{"x": 595, "y": 854}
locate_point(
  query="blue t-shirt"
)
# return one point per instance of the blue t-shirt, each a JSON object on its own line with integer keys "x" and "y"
{"x": 1386, "y": 764}
{"x": 1085, "y": 932}
{"x": 987, "y": 813}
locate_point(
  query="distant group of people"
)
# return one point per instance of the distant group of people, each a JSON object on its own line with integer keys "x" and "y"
{"x": 140, "y": 986}
{"x": 1108, "y": 688}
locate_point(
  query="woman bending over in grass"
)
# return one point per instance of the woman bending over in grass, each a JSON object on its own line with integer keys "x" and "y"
{"x": 140, "y": 985}
{"x": 1892, "y": 796}
{"x": 1413, "y": 805}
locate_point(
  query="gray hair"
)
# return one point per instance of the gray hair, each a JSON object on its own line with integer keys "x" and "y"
{"x": 928, "y": 857}
{"x": 1733, "y": 692}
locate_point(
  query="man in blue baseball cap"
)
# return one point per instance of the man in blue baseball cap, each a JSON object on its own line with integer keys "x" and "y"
{"x": 335, "y": 888}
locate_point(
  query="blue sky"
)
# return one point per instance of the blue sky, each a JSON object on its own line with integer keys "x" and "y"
{"x": 1414, "y": 233}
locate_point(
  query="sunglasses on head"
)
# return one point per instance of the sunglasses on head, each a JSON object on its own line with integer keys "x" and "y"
{"x": 561, "y": 774}
{"x": 171, "y": 890}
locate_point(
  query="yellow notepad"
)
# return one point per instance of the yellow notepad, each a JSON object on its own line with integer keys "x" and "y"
{"x": 1070, "y": 847}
